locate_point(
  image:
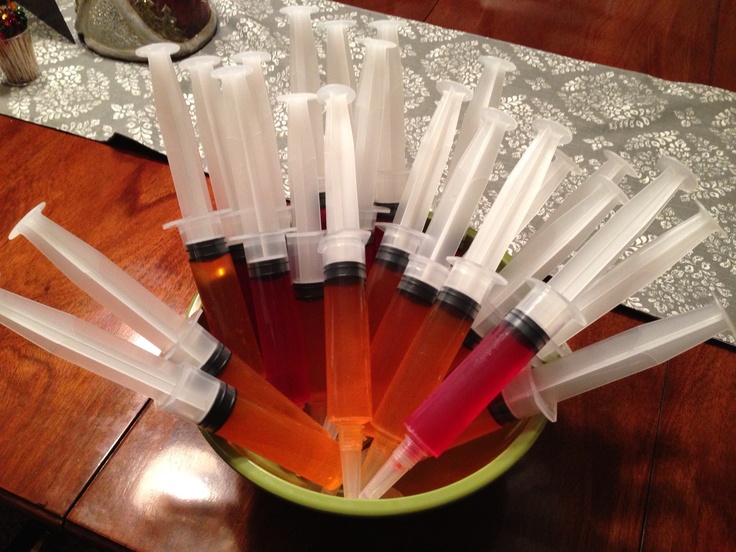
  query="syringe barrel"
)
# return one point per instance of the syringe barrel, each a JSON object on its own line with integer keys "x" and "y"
{"x": 185, "y": 390}
{"x": 467, "y": 391}
{"x": 177, "y": 131}
{"x": 303, "y": 57}
{"x": 110, "y": 285}
{"x": 483, "y": 374}
{"x": 622, "y": 355}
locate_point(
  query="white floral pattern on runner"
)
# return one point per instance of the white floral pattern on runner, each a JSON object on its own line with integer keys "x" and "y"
{"x": 635, "y": 115}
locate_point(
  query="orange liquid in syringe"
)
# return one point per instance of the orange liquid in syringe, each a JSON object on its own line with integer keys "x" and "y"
{"x": 383, "y": 279}
{"x": 225, "y": 308}
{"x": 311, "y": 454}
{"x": 404, "y": 317}
{"x": 311, "y": 312}
{"x": 347, "y": 351}
{"x": 241, "y": 376}
{"x": 425, "y": 365}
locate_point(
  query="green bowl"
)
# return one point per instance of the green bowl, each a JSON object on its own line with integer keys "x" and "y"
{"x": 433, "y": 482}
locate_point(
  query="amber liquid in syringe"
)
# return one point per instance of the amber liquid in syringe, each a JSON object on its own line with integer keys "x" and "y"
{"x": 222, "y": 300}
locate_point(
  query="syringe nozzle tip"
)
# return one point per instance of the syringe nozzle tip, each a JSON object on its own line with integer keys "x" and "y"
{"x": 406, "y": 455}
{"x": 350, "y": 438}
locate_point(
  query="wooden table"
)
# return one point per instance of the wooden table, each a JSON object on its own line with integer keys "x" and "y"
{"x": 643, "y": 464}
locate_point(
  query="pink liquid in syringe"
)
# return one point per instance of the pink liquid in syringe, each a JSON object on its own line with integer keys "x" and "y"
{"x": 445, "y": 414}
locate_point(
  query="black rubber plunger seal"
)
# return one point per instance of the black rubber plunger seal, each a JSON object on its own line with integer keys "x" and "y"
{"x": 217, "y": 361}
{"x": 459, "y": 302}
{"x": 314, "y": 291}
{"x": 221, "y": 408}
{"x": 207, "y": 250}
{"x": 527, "y": 328}
{"x": 472, "y": 339}
{"x": 393, "y": 258}
{"x": 417, "y": 291}
{"x": 344, "y": 272}
{"x": 499, "y": 411}
{"x": 237, "y": 252}
{"x": 272, "y": 268}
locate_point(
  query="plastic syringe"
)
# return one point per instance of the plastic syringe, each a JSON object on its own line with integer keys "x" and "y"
{"x": 349, "y": 406}
{"x": 487, "y": 93}
{"x": 615, "y": 167}
{"x": 618, "y": 283}
{"x": 209, "y": 108}
{"x": 522, "y": 333}
{"x": 305, "y": 260}
{"x": 235, "y": 206}
{"x": 430, "y": 354}
{"x": 339, "y": 62}
{"x": 392, "y": 180}
{"x": 303, "y": 58}
{"x": 371, "y": 116}
{"x": 273, "y": 186}
{"x": 219, "y": 145}
{"x": 427, "y": 269}
{"x": 403, "y": 237}
{"x": 280, "y": 334}
{"x": 180, "y": 339}
{"x": 201, "y": 231}
{"x": 635, "y": 272}
{"x": 240, "y": 416}
{"x": 539, "y": 390}
{"x": 261, "y": 105}
{"x": 178, "y": 135}
{"x": 561, "y": 167}
{"x": 304, "y": 69}
{"x": 563, "y": 232}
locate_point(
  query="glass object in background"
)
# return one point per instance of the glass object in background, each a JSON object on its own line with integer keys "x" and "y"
{"x": 115, "y": 28}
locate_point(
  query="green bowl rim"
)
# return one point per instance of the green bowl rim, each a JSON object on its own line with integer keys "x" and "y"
{"x": 528, "y": 434}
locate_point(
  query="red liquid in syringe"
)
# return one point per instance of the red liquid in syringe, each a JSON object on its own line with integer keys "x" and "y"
{"x": 470, "y": 388}
{"x": 282, "y": 341}
{"x": 310, "y": 307}
{"x": 237, "y": 252}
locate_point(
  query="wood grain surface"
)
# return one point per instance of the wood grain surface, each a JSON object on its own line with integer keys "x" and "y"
{"x": 59, "y": 421}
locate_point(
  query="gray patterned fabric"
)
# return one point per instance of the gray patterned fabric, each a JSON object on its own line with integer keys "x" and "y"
{"x": 637, "y": 116}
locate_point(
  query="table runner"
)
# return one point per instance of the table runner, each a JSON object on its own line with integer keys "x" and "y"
{"x": 635, "y": 115}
